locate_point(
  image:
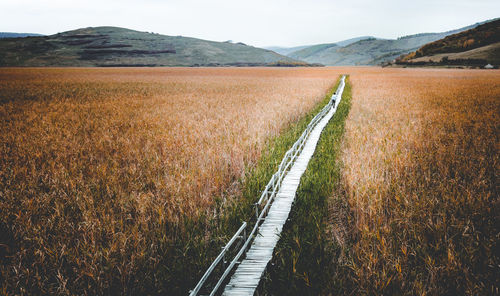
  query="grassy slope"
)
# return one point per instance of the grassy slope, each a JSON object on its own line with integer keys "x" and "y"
{"x": 297, "y": 51}
{"x": 369, "y": 51}
{"x": 302, "y": 260}
{"x": 305, "y": 53}
{"x": 286, "y": 50}
{"x": 107, "y": 46}
{"x": 478, "y": 37}
{"x": 488, "y": 54}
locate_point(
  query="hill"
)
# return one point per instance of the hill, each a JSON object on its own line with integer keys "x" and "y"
{"x": 299, "y": 52}
{"x": 353, "y": 40}
{"x": 312, "y": 50}
{"x": 369, "y": 50}
{"x": 476, "y": 46}
{"x": 17, "y": 35}
{"x": 285, "y": 50}
{"x": 113, "y": 46}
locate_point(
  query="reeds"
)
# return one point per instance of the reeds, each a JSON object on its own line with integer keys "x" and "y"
{"x": 126, "y": 181}
{"x": 420, "y": 173}
{"x": 113, "y": 181}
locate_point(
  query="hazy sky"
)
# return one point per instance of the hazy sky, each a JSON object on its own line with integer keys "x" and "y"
{"x": 255, "y": 22}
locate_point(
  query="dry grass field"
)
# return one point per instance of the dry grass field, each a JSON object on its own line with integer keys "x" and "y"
{"x": 127, "y": 181}
{"x": 103, "y": 171}
{"x": 420, "y": 173}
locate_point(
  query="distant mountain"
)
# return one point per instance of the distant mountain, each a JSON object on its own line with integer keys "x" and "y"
{"x": 112, "y": 46}
{"x": 312, "y": 50}
{"x": 479, "y": 45}
{"x": 370, "y": 50}
{"x": 285, "y": 50}
{"x": 17, "y": 35}
{"x": 353, "y": 40}
{"x": 296, "y": 51}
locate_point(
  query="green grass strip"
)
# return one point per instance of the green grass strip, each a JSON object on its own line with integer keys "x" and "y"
{"x": 302, "y": 261}
{"x": 257, "y": 178}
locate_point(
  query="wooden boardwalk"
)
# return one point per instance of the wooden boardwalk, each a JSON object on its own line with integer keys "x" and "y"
{"x": 247, "y": 276}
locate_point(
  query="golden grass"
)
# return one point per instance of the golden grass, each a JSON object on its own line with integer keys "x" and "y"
{"x": 420, "y": 161}
{"x": 101, "y": 168}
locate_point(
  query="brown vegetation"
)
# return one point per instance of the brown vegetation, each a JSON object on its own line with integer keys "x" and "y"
{"x": 103, "y": 170}
{"x": 420, "y": 163}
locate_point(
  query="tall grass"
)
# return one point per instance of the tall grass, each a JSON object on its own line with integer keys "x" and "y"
{"x": 420, "y": 177}
{"x": 127, "y": 181}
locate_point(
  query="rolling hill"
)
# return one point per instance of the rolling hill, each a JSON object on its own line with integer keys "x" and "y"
{"x": 368, "y": 50}
{"x": 113, "y": 46}
{"x": 301, "y": 51}
{"x": 477, "y": 46}
{"x": 285, "y": 50}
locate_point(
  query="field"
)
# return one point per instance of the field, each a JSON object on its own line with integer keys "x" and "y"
{"x": 414, "y": 209}
{"x": 112, "y": 178}
{"x": 420, "y": 168}
{"x": 128, "y": 181}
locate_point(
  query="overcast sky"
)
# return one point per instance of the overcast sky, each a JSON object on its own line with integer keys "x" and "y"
{"x": 255, "y": 22}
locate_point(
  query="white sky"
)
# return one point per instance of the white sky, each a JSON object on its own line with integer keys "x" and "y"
{"x": 255, "y": 22}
